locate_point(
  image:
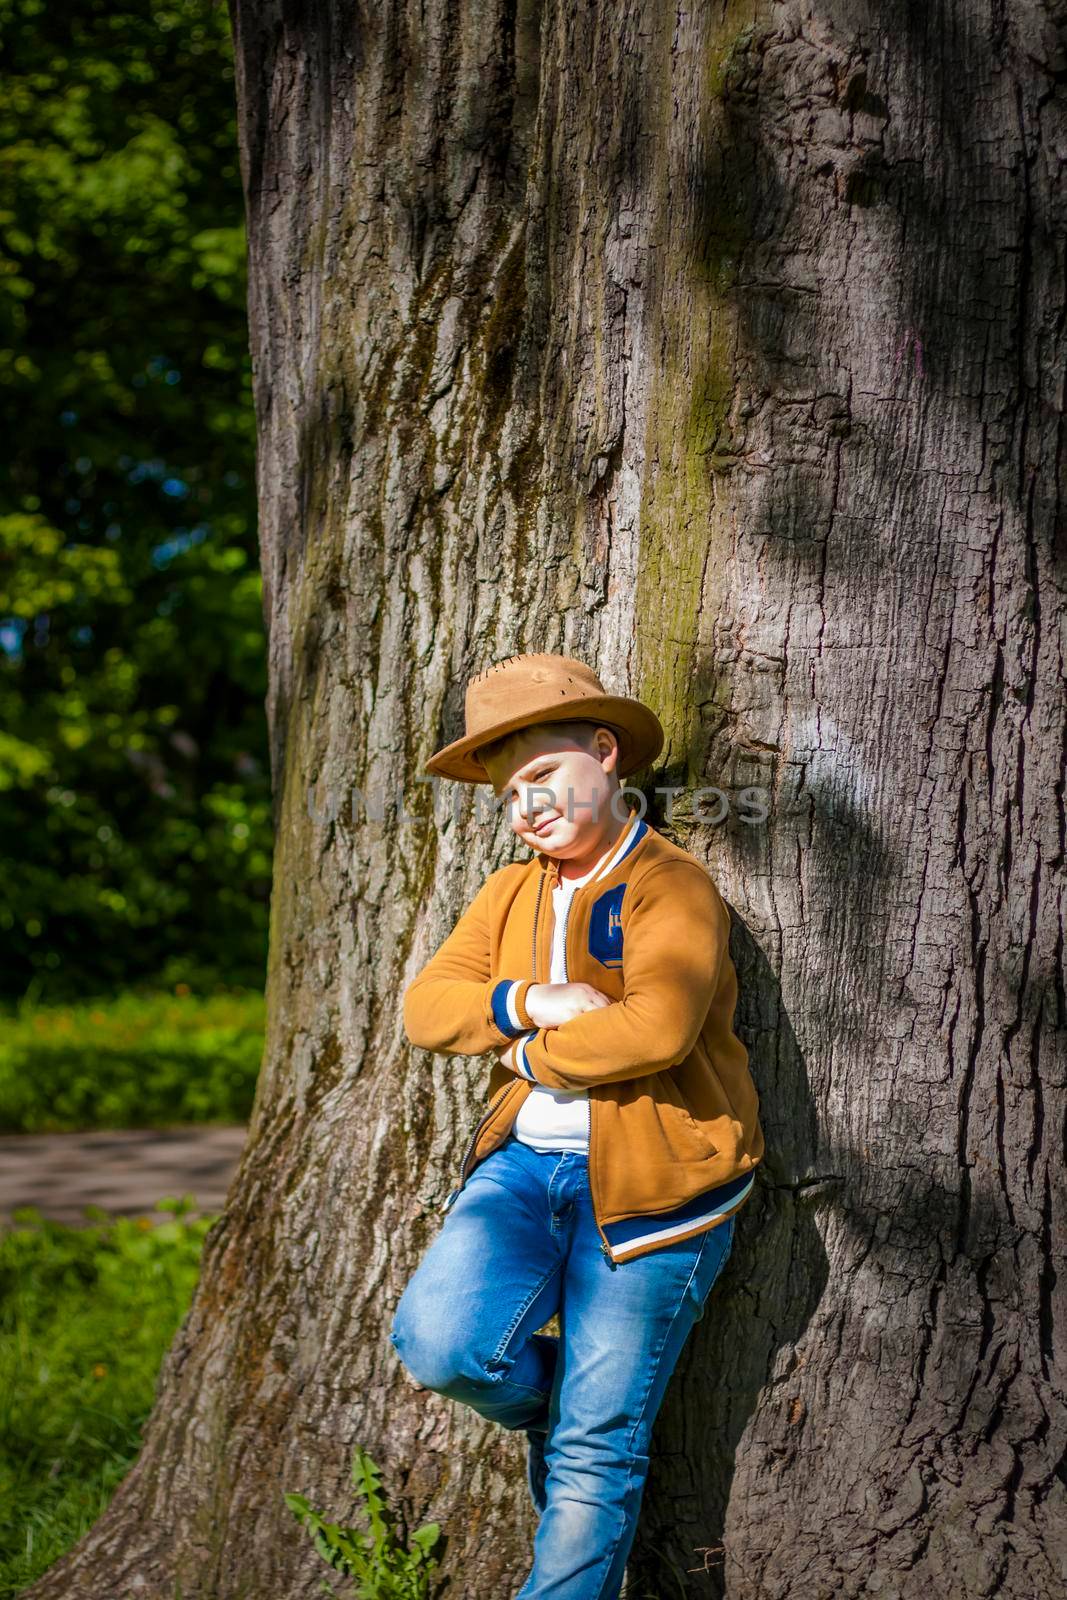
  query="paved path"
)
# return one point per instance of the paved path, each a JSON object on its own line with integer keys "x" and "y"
{"x": 125, "y": 1171}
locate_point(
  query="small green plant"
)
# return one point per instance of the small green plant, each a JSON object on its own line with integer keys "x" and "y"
{"x": 382, "y": 1567}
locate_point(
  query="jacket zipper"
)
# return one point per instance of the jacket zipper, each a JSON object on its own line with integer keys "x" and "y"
{"x": 605, "y": 1248}
{"x": 493, "y": 1109}
{"x": 537, "y": 910}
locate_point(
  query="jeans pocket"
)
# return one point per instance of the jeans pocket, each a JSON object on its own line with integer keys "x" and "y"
{"x": 716, "y": 1245}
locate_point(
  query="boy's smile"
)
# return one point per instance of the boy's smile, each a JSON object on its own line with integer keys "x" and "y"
{"x": 558, "y": 790}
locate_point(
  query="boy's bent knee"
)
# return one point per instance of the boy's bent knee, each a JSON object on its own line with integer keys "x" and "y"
{"x": 436, "y": 1362}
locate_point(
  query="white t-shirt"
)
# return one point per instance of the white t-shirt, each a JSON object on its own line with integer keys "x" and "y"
{"x": 557, "y": 1119}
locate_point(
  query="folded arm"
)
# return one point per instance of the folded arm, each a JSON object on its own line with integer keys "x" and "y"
{"x": 455, "y": 1005}
{"x": 676, "y": 935}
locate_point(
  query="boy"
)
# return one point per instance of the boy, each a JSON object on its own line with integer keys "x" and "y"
{"x": 622, "y": 1131}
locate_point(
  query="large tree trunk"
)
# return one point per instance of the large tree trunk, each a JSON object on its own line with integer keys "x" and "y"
{"x": 724, "y": 348}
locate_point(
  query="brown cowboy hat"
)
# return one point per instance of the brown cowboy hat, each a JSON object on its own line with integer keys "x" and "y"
{"x": 520, "y": 690}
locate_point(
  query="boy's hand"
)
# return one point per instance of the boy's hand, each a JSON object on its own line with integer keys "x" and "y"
{"x": 552, "y": 1004}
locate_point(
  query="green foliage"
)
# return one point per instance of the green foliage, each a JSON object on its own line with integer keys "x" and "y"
{"x": 139, "y": 1061}
{"x": 378, "y": 1560}
{"x": 134, "y": 781}
{"x": 86, "y": 1315}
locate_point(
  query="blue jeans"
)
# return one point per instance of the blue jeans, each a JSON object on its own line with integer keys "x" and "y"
{"x": 518, "y": 1244}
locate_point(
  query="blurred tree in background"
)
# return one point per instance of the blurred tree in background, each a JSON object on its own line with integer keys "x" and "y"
{"x": 135, "y": 823}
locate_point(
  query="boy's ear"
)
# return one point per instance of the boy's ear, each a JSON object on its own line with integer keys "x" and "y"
{"x": 608, "y": 749}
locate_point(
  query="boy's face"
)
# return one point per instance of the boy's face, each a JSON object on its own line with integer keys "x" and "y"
{"x": 557, "y": 794}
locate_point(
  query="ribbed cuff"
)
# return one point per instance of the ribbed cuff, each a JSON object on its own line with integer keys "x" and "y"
{"x": 518, "y": 1050}
{"x": 508, "y": 1007}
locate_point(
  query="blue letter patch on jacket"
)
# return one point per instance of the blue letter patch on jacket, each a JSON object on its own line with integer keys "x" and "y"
{"x": 605, "y": 927}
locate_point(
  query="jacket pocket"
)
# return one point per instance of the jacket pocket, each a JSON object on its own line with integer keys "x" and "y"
{"x": 687, "y": 1138}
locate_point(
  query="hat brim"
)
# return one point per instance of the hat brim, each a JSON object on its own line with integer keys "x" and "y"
{"x": 638, "y": 729}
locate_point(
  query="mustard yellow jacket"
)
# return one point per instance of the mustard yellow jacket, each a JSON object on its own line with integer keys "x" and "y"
{"x": 674, "y": 1133}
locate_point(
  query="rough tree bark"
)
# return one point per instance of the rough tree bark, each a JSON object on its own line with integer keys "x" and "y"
{"x": 723, "y": 346}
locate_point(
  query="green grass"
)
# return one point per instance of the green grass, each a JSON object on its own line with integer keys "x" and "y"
{"x": 86, "y": 1315}
{"x": 138, "y": 1061}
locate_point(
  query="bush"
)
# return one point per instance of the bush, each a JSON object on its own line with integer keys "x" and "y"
{"x": 139, "y": 1061}
{"x": 86, "y": 1315}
